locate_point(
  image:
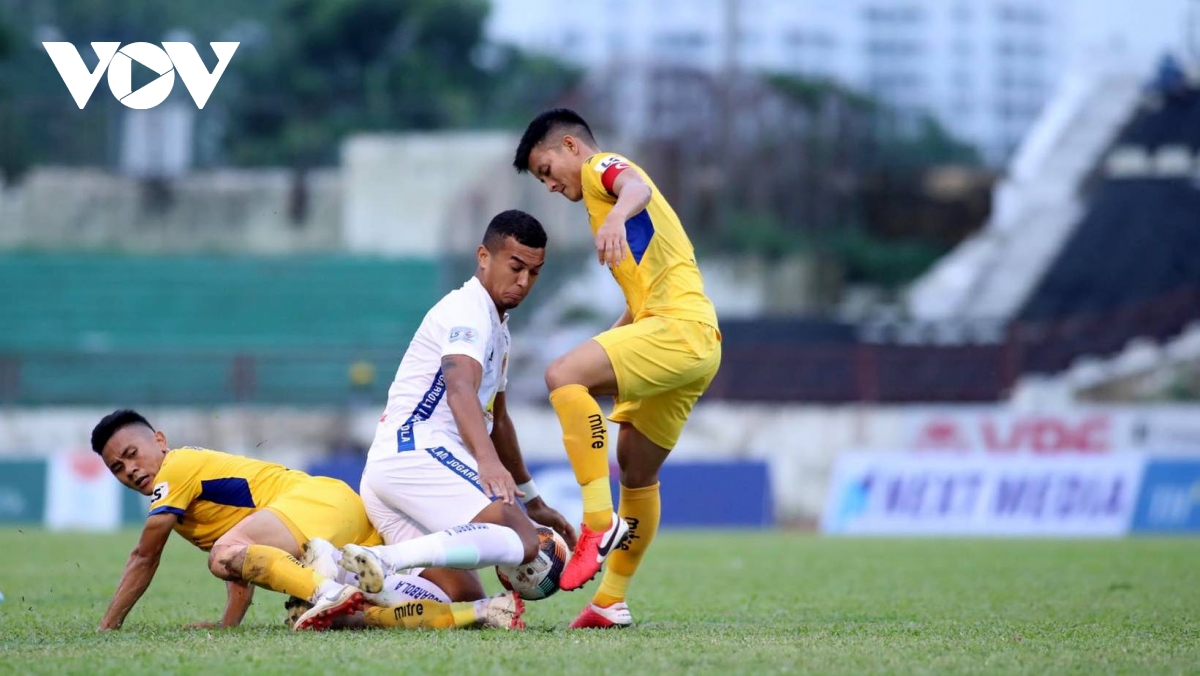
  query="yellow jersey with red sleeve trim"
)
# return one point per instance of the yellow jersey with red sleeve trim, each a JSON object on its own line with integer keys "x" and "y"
{"x": 660, "y": 278}
{"x": 210, "y": 492}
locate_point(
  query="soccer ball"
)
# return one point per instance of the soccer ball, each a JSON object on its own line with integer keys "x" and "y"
{"x": 538, "y": 578}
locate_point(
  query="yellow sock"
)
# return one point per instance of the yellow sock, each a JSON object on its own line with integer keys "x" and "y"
{"x": 275, "y": 569}
{"x": 641, "y": 509}
{"x": 585, "y": 436}
{"x": 421, "y": 615}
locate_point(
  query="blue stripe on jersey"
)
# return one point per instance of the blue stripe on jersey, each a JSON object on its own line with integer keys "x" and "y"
{"x": 455, "y": 465}
{"x": 233, "y": 492}
{"x": 168, "y": 510}
{"x": 639, "y": 230}
{"x": 424, "y": 409}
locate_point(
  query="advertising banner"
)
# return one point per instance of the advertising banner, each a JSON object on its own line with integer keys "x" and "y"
{"x": 921, "y": 494}
{"x": 694, "y": 494}
{"x": 998, "y": 431}
{"x": 1089, "y": 430}
{"x": 1170, "y": 498}
{"x": 82, "y": 494}
{"x": 22, "y": 491}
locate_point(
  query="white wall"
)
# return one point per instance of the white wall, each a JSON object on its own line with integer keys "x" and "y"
{"x": 395, "y": 194}
{"x": 231, "y": 210}
{"x": 430, "y": 193}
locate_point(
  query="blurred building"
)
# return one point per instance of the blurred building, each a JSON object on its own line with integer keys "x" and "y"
{"x": 983, "y": 68}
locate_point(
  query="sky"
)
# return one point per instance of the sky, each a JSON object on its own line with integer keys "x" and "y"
{"x": 1138, "y": 28}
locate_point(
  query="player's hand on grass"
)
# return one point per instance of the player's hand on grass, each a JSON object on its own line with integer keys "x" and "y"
{"x": 610, "y": 242}
{"x": 497, "y": 482}
{"x": 202, "y": 625}
{"x": 540, "y": 512}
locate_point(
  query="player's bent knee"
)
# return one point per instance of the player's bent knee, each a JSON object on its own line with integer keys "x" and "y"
{"x": 559, "y": 374}
{"x": 225, "y": 563}
{"x": 530, "y": 543}
{"x": 512, "y": 516}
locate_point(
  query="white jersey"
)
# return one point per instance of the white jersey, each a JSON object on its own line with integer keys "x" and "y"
{"x": 417, "y": 416}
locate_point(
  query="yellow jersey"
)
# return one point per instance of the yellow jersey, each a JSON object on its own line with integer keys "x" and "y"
{"x": 660, "y": 278}
{"x": 210, "y": 492}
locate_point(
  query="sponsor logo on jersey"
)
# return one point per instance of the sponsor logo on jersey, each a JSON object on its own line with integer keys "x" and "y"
{"x": 463, "y": 334}
{"x": 161, "y": 491}
{"x": 611, "y": 161}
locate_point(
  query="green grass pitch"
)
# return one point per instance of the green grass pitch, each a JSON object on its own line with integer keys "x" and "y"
{"x": 705, "y": 602}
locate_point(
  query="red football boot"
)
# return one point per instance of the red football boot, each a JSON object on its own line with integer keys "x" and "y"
{"x": 590, "y": 551}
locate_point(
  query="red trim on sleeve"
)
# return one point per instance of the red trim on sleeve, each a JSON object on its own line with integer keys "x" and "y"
{"x": 609, "y": 177}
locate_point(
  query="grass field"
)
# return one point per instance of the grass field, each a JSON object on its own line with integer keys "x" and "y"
{"x": 704, "y": 603}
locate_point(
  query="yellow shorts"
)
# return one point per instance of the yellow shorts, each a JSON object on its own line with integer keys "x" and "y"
{"x": 328, "y": 509}
{"x": 663, "y": 365}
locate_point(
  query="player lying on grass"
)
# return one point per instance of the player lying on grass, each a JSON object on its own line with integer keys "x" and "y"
{"x": 250, "y": 515}
{"x": 442, "y": 474}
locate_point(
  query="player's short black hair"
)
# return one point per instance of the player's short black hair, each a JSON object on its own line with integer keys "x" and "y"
{"x": 109, "y": 424}
{"x": 517, "y": 224}
{"x": 543, "y": 125}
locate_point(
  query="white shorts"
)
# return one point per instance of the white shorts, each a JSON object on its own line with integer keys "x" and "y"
{"x": 420, "y": 491}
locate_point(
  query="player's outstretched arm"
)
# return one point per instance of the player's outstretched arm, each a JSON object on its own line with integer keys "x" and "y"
{"x": 504, "y": 437}
{"x": 238, "y": 602}
{"x": 463, "y": 375}
{"x": 238, "y": 594}
{"x": 238, "y": 597}
{"x": 139, "y": 570}
{"x": 633, "y": 194}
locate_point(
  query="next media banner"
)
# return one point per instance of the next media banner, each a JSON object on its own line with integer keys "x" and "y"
{"x": 1170, "y": 499}
{"x": 924, "y": 494}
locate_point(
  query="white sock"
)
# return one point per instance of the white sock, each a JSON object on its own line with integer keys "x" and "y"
{"x": 469, "y": 546}
{"x": 480, "y": 608}
{"x": 326, "y": 587}
{"x": 344, "y": 576}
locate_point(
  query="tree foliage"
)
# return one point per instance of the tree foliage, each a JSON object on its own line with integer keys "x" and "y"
{"x": 307, "y": 73}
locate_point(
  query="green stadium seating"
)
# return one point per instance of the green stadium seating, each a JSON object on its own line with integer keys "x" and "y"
{"x": 124, "y": 329}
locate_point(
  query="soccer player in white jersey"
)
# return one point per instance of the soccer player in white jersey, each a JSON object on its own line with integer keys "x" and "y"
{"x": 445, "y": 463}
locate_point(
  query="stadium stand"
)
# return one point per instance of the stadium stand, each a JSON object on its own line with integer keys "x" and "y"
{"x": 1129, "y": 268}
{"x": 1093, "y": 246}
{"x": 202, "y": 330}
{"x": 1139, "y": 241}
{"x": 1032, "y": 294}
{"x": 1035, "y": 208}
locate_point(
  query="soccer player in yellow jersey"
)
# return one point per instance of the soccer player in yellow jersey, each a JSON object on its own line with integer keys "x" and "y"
{"x": 252, "y": 517}
{"x": 656, "y": 360}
